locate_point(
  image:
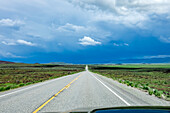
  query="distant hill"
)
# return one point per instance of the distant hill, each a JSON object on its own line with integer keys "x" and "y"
{"x": 6, "y": 62}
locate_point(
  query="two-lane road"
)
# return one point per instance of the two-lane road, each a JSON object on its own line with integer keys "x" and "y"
{"x": 81, "y": 91}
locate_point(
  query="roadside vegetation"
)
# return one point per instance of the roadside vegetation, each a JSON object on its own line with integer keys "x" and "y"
{"x": 18, "y": 75}
{"x": 155, "y": 79}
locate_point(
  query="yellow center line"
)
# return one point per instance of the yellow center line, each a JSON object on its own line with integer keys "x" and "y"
{"x": 67, "y": 86}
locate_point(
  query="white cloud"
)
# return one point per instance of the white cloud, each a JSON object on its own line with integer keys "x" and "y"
{"x": 121, "y": 44}
{"x": 11, "y": 42}
{"x": 25, "y": 43}
{"x": 70, "y": 27}
{"x": 126, "y": 44}
{"x": 88, "y": 41}
{"x": 157, "y": 56}
{"x": 8, "y": 43}
{"x": 9, "y": 22}
{"x": 9, "y": 55}
{"x": 163, "y": 39}
{"x": 115, "y": 44}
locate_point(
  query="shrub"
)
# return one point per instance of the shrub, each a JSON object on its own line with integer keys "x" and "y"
{"x": 28, "y": 83}
{"x": 21, "y": 84}
{"x": 147, "y": 84}
{"x": 136, "y": 85}
{"x": 127, "y": 82}
{"x": 161, "y": 92}
{"x": 2, "y": 89}
{"x": 124, "y": 82}
{"x": 17, "y": 86}
{"x": 150, "y": 91}
{"x": 155, "y": 91}
{"x": 145, "y": 87}
{"x": 14, "y": 86}
{"x": 165, "y": 82}
{"x": 7, "y": 88}
{"x": 166, "y": 92}
{"x": 168, "y": 96}
{"x": 131, "y": 84}
{"x": 158, "y": 93}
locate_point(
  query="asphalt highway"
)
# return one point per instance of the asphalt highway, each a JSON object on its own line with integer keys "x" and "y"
{"x": 81, "y": 91}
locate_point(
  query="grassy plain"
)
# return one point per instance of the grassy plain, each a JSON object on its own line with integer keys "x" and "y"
{"x": 17, "y": 75}
{"x": 154, "y": 78}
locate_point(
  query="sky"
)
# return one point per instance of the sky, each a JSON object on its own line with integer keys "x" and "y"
{"x": 85, "y": 31}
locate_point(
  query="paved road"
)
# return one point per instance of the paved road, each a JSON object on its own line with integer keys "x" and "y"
{"x": 84, "y": 90}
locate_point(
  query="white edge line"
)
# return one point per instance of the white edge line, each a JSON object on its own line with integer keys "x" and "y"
{"x": 111, "y": 90}
{"x": 45, "y": 82}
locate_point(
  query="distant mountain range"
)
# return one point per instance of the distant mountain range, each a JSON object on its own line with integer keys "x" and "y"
{"x": 6, "y": 62}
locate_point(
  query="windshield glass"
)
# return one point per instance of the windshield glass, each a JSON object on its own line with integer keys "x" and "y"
{"x": 80, "y": 55}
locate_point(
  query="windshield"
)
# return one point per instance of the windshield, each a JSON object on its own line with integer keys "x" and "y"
{"x": 80, "y": 55}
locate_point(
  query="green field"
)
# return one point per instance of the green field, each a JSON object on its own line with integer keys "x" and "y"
{"x": 154, "y": 78}
{"x": 17, "y": 75}
{"x": 140, "y": 66}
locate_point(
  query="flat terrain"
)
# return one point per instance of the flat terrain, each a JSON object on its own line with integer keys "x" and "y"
{"x": 18, "y": 75}
{"x": 154, "y": 78}
{"x": 82, "y": 91}
{"x": 139, "y": 65}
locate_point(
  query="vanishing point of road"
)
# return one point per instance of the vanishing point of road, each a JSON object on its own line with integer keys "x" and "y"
{"x": 82, "y": 91}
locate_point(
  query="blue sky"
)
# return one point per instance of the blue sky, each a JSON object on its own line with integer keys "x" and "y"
{"x": 85, "y": 31}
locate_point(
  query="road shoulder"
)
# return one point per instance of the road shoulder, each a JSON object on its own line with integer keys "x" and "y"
{"x": 134, "y": 92}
